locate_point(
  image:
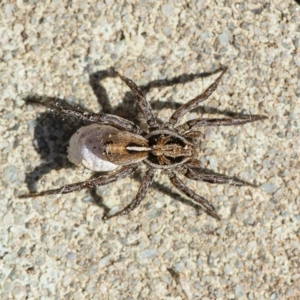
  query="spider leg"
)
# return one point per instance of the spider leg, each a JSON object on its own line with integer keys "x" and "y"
{"x": 69, "y": 110}
{"x": 101, "y": 180}
{"x": 147, "y": 180}
{"x": 196, "y": 101}
{"x": 142, "y": 102}
{"x": 215, "y": 178}
{"x": 192, "y": 124}
{"x": 205, "y": 205}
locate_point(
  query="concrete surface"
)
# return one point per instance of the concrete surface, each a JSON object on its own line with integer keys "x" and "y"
{"x": 58, "y": 247}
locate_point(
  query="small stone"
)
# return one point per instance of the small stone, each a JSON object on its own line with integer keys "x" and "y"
{"x": 93, "y": 270}
{"x": 166, "y": 278}
{"x": 10, "y": 174}
{"x": 213, "y": 160}
{"x": 269, "y": 187}
{"x": 251, "y": 245}
{"x": 224, "y": 38}
{"x": 7, "y": 286}
{"x": 239, "y": 251}
{"x": 199, "y": 261}
{"x": 40, "y": 260}
{"x": 149, "y": 253}
{"x": 4, "y": 144}
{"x": 274, "y": 296}
{"x": 167, "y": 10}
{"x": 228, "y": 269}
{"x": 266, "y": 163}
{"x": 239, "y": 291}
{"x": 104, "y": 261}
{"x": 67, "y": 280}
{"x": 178, "y": 267}
{"x": 71, "y": 256}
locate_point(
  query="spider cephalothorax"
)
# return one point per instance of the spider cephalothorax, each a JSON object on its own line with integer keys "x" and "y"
{"x": 112, "y": 143}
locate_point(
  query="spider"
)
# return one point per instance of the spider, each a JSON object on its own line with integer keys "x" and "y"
{"x": 111, "y": 143}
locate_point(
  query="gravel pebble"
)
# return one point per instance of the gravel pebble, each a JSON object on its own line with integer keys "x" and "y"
{"x": 224, "y": 38}
{"x": 148, "y": 253}
{"x": 104, "y": 261}
{"x": 10, "y": 174}
{"x": 239, "y": 291}
{"x": 269, "y": 187}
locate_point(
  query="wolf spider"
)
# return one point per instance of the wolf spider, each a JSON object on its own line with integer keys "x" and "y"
{"x": 112, "y": 143}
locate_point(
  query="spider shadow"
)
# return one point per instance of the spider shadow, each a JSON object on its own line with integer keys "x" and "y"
{"x": 172, "y": 193}
{"x": 137, "y": 176}
{"x": 53, "y": 131}
{"x": 177, "y": 196}
{"x": 128, "y": 108}
{"x": 51, "y": 137}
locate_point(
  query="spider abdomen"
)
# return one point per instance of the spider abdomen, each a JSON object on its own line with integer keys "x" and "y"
{"x": 86, "y": 147}
{"x": 104, "y": 148}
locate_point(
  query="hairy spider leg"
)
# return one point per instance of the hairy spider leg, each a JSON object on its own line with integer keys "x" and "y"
{"x": 191, "y": 173}
{"x": 142, "y": 102}
{"x": 101, "y": 180}
{"x": 204, "y": 204}
{"x": 69, "y": 110}
{"x": 143, "y": 189}
{"x": 194, "y": 102}
{"x": 199, "y": 122}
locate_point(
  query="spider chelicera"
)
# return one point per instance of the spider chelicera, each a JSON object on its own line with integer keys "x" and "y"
{"x": 114, "y": 144}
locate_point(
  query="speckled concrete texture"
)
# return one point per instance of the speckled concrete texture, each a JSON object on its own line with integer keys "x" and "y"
{"x": 58, "y": 247}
